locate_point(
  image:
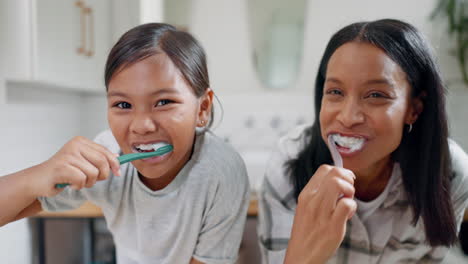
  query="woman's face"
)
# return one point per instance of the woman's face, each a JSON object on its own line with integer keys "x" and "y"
{"x": 150, "y": 102}
{"x": 366, "y": 103}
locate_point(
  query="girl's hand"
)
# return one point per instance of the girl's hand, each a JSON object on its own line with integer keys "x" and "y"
{"x": 324, "y": 206}
{"x": 80, "y": 162}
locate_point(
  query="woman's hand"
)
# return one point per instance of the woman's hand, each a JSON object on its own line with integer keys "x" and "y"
{"x": 80, "y": 163}
{"x": 324, "y": 206}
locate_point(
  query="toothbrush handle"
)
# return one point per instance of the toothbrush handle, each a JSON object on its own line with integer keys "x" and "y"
{"x": 131, "y": 157}
{"x": 136, "y": 156}
{"x": 337, "y": 160}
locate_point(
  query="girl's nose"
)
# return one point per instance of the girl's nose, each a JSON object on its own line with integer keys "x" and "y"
{"x": 143, "y": 124}
{"x": 350, "y": 113}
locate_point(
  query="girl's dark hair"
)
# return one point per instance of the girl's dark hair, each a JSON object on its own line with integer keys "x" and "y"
{"x": 151, "y": 39}
{"x": 423, "y": 154}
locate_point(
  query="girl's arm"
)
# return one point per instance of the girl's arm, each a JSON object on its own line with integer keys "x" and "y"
{"x": 16, "y": 196}
{"x": 80, "y": 163}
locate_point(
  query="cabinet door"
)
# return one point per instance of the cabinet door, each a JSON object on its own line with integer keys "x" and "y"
{"x": 15, "y": 39}
{"x": 72, "y": 41}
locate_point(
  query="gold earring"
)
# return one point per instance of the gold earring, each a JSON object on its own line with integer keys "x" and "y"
{"x": 202, "y": 122}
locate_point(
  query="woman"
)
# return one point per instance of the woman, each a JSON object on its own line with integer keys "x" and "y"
{"x": 402, "y": 192}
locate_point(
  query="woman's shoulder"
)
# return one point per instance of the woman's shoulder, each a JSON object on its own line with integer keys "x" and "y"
{"x": 292, "y": 142}
{"x": 459, "y": 165}
{"x": 459, "y": 159}
{"x": 288, "y": 147}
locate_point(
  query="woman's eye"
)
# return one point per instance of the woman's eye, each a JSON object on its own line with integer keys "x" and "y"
{"x": 164, "y": 102}
{"x": 123, "y": 105}
{"x": 376, "y": 95}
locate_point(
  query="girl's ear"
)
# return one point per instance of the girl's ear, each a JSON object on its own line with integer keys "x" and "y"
{"x": 204, "y": 110}
{"x": 416, "y": 108}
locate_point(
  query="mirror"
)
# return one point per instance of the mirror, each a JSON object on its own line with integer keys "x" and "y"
{"x": 277, "y": 36}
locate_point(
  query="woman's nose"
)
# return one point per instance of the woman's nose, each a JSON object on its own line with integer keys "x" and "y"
{"x": 143, "y": 124}
{"x": 350, "y": 113}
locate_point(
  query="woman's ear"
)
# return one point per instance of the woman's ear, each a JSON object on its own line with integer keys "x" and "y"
{"x": 416, "y": 108}
{"x": 204, "y": 110}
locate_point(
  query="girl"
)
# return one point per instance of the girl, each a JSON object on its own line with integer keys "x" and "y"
{"x": 380, "y": 97}
{"x": 187, "y": 206}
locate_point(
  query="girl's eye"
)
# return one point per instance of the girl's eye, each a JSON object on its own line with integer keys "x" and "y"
{"x": 334, "y": 92}
{"x": 123, "y": 105}
{"x": 164, "y": 102}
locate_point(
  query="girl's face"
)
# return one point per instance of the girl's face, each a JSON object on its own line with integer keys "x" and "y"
{"x": 366, "y": 103}
{"x": 150, "y": 102}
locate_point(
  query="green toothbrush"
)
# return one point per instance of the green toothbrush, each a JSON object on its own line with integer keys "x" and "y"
{"x": 134, "y": 156}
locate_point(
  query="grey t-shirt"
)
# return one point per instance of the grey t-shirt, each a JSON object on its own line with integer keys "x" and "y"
{"x": 200, "y": 214}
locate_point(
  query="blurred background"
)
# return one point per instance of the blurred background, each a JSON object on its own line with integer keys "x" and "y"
{"x": 262, "y": 58}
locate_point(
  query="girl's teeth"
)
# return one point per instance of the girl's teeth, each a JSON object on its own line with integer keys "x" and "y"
{"x": 159, "y": 145}
{"x": 352, "y": 143}
{"x": 146, "y": 147}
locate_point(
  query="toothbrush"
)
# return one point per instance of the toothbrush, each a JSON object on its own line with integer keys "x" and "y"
{"x": 337, "y": 160}
{"x": 134, "y": 156}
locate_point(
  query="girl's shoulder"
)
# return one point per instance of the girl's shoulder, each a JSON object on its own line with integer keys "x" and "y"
{"x": 214, "y": 153}
{"x": 216, "y": 162}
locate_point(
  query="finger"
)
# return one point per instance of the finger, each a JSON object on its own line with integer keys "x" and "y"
{"x": 73, "y": 176}
{"x": 343, "y": 173}
{"x": 345, "y": 209}
{"x": 318, "y": 177}
{"x": 112, "y": 160}
{"x": 99, "y": 161}
{"x": 334, "y": 189}
{"x": 88, "y": 169}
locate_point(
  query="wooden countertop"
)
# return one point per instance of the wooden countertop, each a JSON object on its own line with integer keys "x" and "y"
{"x": 89, "y": 210}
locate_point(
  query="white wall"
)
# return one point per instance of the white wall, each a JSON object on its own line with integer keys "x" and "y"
{"x": 31, "y": 133}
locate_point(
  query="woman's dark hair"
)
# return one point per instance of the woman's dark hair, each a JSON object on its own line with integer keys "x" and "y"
{"x": 423, "y": 154}
{"x": 151, "y": 39}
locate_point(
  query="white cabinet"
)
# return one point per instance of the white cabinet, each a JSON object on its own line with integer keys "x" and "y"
{"x": 59, "y": 42}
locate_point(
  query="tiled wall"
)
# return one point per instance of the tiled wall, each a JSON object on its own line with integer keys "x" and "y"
{"x": 29, "y": 134}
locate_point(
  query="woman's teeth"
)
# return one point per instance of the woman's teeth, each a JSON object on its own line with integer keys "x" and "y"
{"x": 352, "y": 143}
{"x": 150, "y": 147}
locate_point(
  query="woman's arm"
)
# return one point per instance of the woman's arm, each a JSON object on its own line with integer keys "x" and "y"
{"x": 80, "y": 163}
{"x": 324, "y": 206}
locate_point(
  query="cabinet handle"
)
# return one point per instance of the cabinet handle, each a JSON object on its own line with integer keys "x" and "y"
{"x": 81, "y": 49}
{"x": 89, "y": 12}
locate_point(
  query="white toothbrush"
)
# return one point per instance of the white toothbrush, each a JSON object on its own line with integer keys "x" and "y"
{"x": 337, "y": 160}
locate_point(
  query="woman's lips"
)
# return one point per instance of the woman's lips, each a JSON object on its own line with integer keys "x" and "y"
{"x": 347, "y": 151}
